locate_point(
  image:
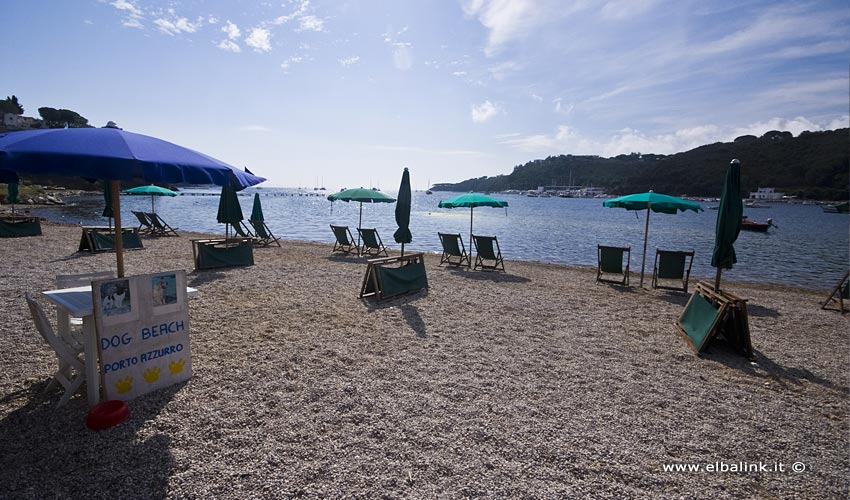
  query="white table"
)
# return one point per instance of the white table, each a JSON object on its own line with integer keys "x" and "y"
{"x": 77, "y": 302}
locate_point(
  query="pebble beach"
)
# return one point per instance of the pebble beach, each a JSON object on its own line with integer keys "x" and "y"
{"x": 535, "y": 382}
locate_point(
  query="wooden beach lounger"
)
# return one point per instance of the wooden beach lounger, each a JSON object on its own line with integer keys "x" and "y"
{"x": 160, "y": 226}
{"x": 611, "y": 262}
{"x": 709, "y": 313}
{"x": 485, "y": 251}
{"x": 344, "y": 240}
{"x": 390, "y": 277}
{"x": 454, "y": 253}
{"x": 263, "y": 235}
{"x": 145, "y": 226}
{"x": 371, "y": 244}
{"x": 670, "y": 265}
{"x": 839, "y": 298}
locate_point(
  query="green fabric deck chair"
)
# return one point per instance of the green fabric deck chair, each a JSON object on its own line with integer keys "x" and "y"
{"x": 454, "y": 253}
{"x": 16, "y": 227}
{"x": 145, "y": 226}
{"x": 242, "y": 230}
{"x": 371, "y": 242}
{"x": 264, "y": 236}
{"x": 839, "y": 299}
{"x": 344, "y": 240}
{"x": 700, "y": 320}
{"x": 671, "y": 265}
{"x": 487, "y": 250}
{"x": 160, "y": 226}
{"x": 611, "y": 262}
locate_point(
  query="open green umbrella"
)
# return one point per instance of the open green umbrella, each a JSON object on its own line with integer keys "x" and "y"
{"x": 402, "y": 212}
{"x": 655, "y": 202}
{"x": 361, "y": 195}
{"x": 229, "y": 211}
{"x": 472, "y": 200}
{"x": 257, "y": 209}
{"x": 13, "y": 194}
{"x": 152, "y": 191}
{"x": 728, "y": 222}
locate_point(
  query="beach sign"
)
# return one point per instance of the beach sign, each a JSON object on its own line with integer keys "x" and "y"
{"x": 142, "y": 333}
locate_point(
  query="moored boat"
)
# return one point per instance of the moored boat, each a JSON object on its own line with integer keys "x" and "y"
{"x": 840, "y": 208}
{"x": 750, "y": 225}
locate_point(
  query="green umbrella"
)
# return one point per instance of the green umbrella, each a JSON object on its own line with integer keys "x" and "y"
{"x": 13, "y": 194}
{"x": 229, "y": 211}
{"x": 657, "y": 203}
{"x": 402, "y": 212}
{"x": 257, "y": 209}
{"x": 361, "y": 195}
{"x": 472, "y": 200}
{"x": 107, "y": 198}
{"x": 728, "y": 221}
{"x": 151, "y": 191}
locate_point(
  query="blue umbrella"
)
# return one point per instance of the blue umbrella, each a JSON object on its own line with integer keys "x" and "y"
{"x": 114, "y": 154}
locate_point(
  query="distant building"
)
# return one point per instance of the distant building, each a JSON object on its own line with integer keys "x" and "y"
{"x": 13, "y": 121}
{"x": 766, "y": 194}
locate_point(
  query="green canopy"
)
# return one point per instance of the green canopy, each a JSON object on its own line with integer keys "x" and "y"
{"x": 472, "y": 200}
{"x": 656, "y": 202}
{"x": 257, "y": 209}
{"x": 728, "y": 221}
{"x": 151, "y": 191}
{"x": 229, "y": 211}
{"x": 402, "y": 212}
{"x": 361, "y": 195}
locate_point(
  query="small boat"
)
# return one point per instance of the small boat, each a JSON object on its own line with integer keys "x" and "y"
{"x": 429, "y": 192}
{"x": 750, "y": 225}
{"x": 753, "y": 204}
{"x": 840, "y": 208}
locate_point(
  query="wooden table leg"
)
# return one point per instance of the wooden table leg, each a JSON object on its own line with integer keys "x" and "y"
{"x": 92, "y": 372}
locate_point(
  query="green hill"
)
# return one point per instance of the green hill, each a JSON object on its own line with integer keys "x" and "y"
{"x": 813, "y": 165}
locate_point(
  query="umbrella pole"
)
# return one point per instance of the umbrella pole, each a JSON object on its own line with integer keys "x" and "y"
{"x": 645, "y": 237}
{"x": 153, "y": 207}
{"x": 119, "y": 237}
{"x": 469, "y": 260}
{"x": 717, "y": 278}
{"x": 359, "y": 223}
{"x": 402, "y": 249}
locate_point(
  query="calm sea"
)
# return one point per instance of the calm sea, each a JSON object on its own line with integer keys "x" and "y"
{"x": 809, "y": 248}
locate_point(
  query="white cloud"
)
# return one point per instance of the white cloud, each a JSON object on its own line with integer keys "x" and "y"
{"x": 840, "y": 122}
{"x": 626, "y": 9}
{"x": 88, "y": 21}
{"x": 254, "y": 128}
{"x": 535, "y": 97}
{"x": 229, "y": 45}
{"x": 502, "y": 70}
{"x": 127, "y": 6}
{"x": 485, "y": 111}
{"x": 459, "y": 73}
{"x": 794, "y": 125}
{"x": 349, "y": 61}
{"x": 561, "y": 108}
{"x": 212, "y": 20}
{"x": 176, "y": 26}
{"x": 259, "y": 40}
{"x": 285, "y": 65}
{"x": 231, "y": 30}
{"x": 506, "y": 19}
{"x": 298, "y": 12}
{"x": 132, "y": 23}
{"x": 402, "y": 57}
{"x": 310, "y": 23}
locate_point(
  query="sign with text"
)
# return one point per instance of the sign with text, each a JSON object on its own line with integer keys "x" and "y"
{"x": 142, "y": 333}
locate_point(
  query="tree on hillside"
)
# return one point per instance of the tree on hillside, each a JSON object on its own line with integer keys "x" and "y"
{"x": 57, "y": 118}
{"x": 11, "y": 105}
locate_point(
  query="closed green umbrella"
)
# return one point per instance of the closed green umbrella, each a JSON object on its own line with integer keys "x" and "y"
{"x": 107, "y": 198}
{"x": 472, "y": 200}
{"x": 13, "y": 194}
{"x": 361, "y": 195}
{"x": 257, "y": 209}
{"x": 728, "y": 222}
{"x": 656, "y": 202}
{"x": 229, "y": 211}
{"x": 152, "y": 191}
{"x": 402, "y": 212}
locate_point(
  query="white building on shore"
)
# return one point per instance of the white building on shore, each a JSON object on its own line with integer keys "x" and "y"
{"x": 766, "y": 194}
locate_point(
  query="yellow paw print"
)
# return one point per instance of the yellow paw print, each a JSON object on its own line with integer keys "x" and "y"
{"x": 124, "y": 385}
{"x": 151, "y": 374}
{"x": 176, "y": 367}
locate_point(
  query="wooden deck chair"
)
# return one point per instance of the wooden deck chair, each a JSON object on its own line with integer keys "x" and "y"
{"x": 839, "y": 299}
{"x": 611, "y": 262}
{"x": 263, "y": 235}
{"x": 242, "y": 230}
{"x": 344, "y": 240}
{"x": 454, "y": 253}
{"x": 700, "y": 320}
{"x": 162, "y": 228}
{"x": 371, "y": 243}
{"x": 145, "y": 226}
{"x": 71, "y": 373}
{"x": 485, "y": 251}
{"x": 670, "y": 265}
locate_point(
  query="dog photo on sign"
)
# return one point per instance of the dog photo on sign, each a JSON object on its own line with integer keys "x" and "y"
{"x": 164, "y": 289}
{"x": 115, "y": 297}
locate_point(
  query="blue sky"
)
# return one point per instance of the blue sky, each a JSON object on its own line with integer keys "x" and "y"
{"x": 346, "y": 93}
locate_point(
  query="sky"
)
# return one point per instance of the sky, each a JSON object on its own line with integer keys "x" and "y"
{"x": 342, "y": 93}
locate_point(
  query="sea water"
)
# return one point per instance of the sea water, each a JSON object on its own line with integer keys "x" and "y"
{"x": 807, "y": 248}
